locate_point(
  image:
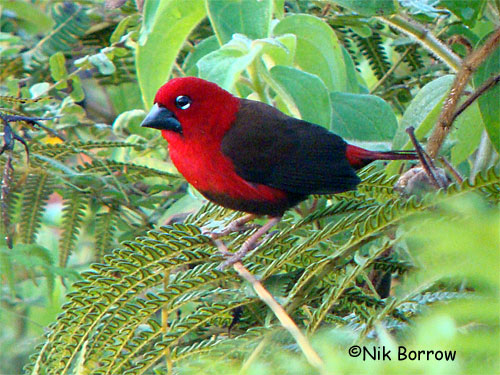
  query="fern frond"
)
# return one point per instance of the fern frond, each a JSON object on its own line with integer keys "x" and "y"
{"x": 72, "y": 220}
{"x": 112, "y": 314}
{"x": 413, "y": 58}
{"x": 342, "y": 284}
{"x": 373, "y": 50}
{"x": 60, "y": 151}
{"x": 137, "y": 267}
{"x": 15, "y": 100}
{"x": 105, "y": 229}
{"x": 36, "y": 191}
{"x": 131, "y": 170}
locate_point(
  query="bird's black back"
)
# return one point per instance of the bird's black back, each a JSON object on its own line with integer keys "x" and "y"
{"x": 270, "y": 148}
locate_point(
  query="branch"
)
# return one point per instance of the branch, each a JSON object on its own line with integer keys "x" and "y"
{"x": 285, "y": 320}
{"x": 488, "y": 84}
{"x": 426, "y": 39}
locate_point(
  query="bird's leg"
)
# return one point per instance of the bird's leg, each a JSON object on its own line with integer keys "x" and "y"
{"x": 249, "y": 244}
{"x": 234, "y": 226}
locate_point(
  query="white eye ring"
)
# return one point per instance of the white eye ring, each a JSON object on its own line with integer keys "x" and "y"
{"x": 183, "y": 102}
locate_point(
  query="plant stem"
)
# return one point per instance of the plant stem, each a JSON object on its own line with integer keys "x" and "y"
{"x": 287, "y": 322}
{"x": 426, "y": 39}
{"x": 312, "y": 357}
{"x": 488, "y": 84}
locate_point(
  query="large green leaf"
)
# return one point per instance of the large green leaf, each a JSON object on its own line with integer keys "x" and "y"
{"x": 423, "y": 111}
{"x": 249, "y": 17}
{"x": 467, "y": 130}
{"x": 352, "y": 77}
{"x": 370, "y": 7}
{"x": 318, "y": 49}
{"x": 203, "y": 48}
{"x": 166, "y": 26}
{"x": 489, "y": 101}
{"x": 308, "y": 92}
{"x": 422, "y": 114}
{"x": 281, "y": 50}
{"x": 225, "y": 65}
{"x": 362, "y": 117}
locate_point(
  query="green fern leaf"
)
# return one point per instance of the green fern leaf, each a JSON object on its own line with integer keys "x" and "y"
{"x": 373, "y": 50}
{"x": 36, "y": 193}
{"x": 105, "y": 230}
{"x": 72, "y": 220}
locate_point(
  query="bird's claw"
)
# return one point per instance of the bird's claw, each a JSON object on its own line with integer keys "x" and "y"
{"x": 238, "y": 225}
{"x": 232, "y": 258}
{"x": 250, "y": 244}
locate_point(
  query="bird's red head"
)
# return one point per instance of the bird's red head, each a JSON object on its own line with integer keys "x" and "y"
{"x": 193, "y": 109}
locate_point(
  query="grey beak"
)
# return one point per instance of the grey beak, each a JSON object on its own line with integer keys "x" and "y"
{"x": 163, "y": 119}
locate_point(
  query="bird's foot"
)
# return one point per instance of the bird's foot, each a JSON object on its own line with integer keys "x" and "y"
{"x": 237, "y": 225}
{"x": 251, "y": 243}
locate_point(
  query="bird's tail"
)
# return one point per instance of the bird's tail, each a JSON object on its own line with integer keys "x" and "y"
{"x": 359, "y": 157}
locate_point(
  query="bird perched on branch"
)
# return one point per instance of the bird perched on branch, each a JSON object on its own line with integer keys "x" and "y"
{"x": 249, "y": 156}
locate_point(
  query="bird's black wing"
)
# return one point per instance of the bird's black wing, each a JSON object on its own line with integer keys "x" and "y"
{"x": 268, "y": 147}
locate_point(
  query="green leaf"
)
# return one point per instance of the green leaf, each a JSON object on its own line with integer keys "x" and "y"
{"x": 77, "y": 93}
{"x": 352, "y": 77}
{"x": 307, "y": 91}
{"x": 57, "y": 66}
{"x": 102, "y": 63}
{"x": 225, "y": 65}
{"x": 467, "y": 130}
{"x": 467, "y": 11}
{"x": 128, "y": 122}
{"x": 422, "y": 114}
{"x": 203, "y": 48}
{"x": 39, "y": 89}
{"x": 166, "y": 26}
{"x": 279, "y": 9}
{"x": 369, "y": 7}
{"x": 281, "y": 50}
{"x": 248, "y": 17}
{"x": 488, "y": 102}
{"x": 121, "y": 28}
{"x": 362, "y": 117}
{"x": 30, "y": 17}
{"x": 423, "y": 111}
{"x": 318, "y": 49}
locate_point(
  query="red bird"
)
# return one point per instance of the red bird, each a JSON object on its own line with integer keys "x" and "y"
{"x": 249, "y": 156}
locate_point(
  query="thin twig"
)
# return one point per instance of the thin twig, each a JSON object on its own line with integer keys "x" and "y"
{"x": 312, "y": 357}
{"x": 165, "y": 325}
{"x": 488, "y": 84}
{"x": 451, "y": 169}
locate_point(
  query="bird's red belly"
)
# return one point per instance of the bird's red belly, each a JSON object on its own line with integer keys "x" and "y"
{"x": 213, "y": 174}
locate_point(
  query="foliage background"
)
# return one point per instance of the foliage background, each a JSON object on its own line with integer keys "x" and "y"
{"x": 96, "y": 181}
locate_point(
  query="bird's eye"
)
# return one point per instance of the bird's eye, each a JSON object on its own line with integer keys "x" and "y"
{"x": 183, "y": 102}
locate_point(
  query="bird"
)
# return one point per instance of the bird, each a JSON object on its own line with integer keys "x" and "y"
{"x": 249, "y": 156}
